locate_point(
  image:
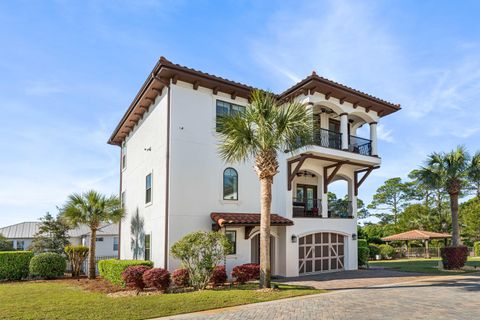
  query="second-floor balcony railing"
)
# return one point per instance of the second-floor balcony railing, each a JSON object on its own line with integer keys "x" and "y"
{"x": 306, "y": 207}
{"x": 333, "y": 139}
{"x": 340, "y": 209}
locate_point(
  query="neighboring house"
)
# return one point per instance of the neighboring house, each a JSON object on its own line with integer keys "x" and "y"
{"x": 173, "y": 182}
{"x": 21, "y": 235}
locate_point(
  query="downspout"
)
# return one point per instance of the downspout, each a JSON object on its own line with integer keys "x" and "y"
{"x": 121, "y": 201}
{"x": 167, "y": 180}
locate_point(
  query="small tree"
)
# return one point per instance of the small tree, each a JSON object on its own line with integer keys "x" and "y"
{"x": 52, "y": 235}
{"x": 92, "y": 208}
{"x": 5, "y": 245}
{"x": 76, "y": 255}
{"x": 200, "y": 252}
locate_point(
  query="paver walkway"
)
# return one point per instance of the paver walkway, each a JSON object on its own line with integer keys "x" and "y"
{"x": 440, "y": 297}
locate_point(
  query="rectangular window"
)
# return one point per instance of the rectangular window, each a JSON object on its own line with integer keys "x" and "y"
{"x": 124, "y": 155}
{"x": 122, "y": 199}
{"x": 226, "y": 108}
{"x": 232, "y": 237}
{"x": 147, "y": 247}
{"x": 99, "y": 239}
{"x": 20, "y": 245}
{"x": 148, "y": 188}
{"x": 115, "y": 243}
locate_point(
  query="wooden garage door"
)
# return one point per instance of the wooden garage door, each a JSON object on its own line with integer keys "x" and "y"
{"x": 322, "y": 251}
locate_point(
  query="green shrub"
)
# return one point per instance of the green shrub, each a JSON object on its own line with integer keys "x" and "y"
{"x": 374, "y": 250}
{"x": 363, "y": 256}
{"x": 476, "y": 249}
{"x": 48, "y": 265}
{"x": 76, "y": 255}
{"x": 200, "y": 252}
{"x": 386, "y": 251}
{"x": 112, "y": 269}
{"x": 14, "y": 264}
{"x": 362, "y": 243}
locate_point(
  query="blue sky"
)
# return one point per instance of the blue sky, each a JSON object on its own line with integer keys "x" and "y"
{"x": 69, "y": 70}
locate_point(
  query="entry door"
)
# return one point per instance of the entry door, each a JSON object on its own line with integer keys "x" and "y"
{"x": 307, "y": 194}
{"x": 255, "y": 251}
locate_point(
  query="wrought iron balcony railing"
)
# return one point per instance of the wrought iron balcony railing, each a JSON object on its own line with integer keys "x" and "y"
{"x": 303, "y": 207}
{"x": 333, "y": 139}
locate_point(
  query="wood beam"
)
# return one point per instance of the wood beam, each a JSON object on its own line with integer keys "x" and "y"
{"x": 233, "y": 95}
{"x": 358, "y": 183}
{"x": 327, "y": 95}
{"x": 143, "y": 107}
{"x": 149, "y": 99}
{"x": 342, "y": 100}
{"x": 311, "y": 91}
{"x": 328, "y": 178}
{"x": 157, "y": 90}
{"x": 355, "y": 105}
{"x": 248, "y": 231}
{"x": 367, "y": 109}
{"x": 174, "y": 79}
{"x": 195, "y": 85}
{"x": 215, "y": 90}
{"x": 291, "y": 174}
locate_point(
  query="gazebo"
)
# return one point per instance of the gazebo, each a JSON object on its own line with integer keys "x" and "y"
{"x": 422, "y": 235}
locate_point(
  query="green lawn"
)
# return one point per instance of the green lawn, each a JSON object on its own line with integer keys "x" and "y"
{"x": 57, "y": 300}
{"x": 420, "y": 265}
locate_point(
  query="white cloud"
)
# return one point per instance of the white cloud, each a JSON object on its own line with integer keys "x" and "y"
{"x": 42, "y": 88}
{"x": 384, "y": 134}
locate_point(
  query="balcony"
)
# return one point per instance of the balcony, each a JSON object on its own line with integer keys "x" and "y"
{"x": 333, "y": 139}
{"x": 307, "y": 208}
{"x": 312, "y": 208}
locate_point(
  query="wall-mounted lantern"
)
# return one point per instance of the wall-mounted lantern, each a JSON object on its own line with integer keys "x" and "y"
{"x": 294, "y": 238}
{"x": 354, "y": 236}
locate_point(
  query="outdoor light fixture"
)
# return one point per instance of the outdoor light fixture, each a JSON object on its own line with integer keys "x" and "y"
{"x": 294, "y": 238}
{"x": 354, "y": 236}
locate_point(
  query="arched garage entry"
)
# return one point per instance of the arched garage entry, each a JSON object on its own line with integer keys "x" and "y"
{"x": 321, "y": 252}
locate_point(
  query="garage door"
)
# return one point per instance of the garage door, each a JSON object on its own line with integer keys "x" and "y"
{"x": 323, "y": 251}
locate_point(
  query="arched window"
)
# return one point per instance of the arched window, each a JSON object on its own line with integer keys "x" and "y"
{"x": 230, "y": 184}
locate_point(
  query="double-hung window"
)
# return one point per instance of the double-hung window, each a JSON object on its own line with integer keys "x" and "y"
{"x": 148, "y": 188}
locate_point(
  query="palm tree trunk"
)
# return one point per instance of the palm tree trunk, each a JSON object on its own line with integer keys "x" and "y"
{"x": 265, "y": 204}
{"x": 455, "y": 228}
{"x": 91, "y": 254}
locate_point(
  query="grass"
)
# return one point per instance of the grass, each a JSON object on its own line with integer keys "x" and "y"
{"x": 60, "y": 300}
{"x": 428, "y": 266}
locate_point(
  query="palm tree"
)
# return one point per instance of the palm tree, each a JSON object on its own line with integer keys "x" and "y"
{"x": 92, "y": 208}
{"x": 259, "y": 133}
{"x": 451, "y": 171}
{"x": 474, "y": 173}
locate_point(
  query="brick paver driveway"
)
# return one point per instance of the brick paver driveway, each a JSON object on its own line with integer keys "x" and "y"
{"x": 441, "y": 297}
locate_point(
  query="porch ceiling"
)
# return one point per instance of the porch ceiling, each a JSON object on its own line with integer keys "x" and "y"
{"x": 247, "y": 219}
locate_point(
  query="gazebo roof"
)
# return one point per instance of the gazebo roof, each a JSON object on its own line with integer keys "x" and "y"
{"x": 416, "y": 235}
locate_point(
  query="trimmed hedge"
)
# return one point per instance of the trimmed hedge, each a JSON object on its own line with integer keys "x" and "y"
{"x": 157, "y": 278}
{"x": 246, "y": 272}
{"x": 362, "y": 256}
{"x": 14, "y": 264}
{"x": 112, "y": 269}
{"x": 48, "y": 265}
{"x": 133, "y": 277}
{"x": 454, "y": 257}
{"x": 374, "y": 251}
{"x": 476, "y": 249}
{"x": 181, "y": 278}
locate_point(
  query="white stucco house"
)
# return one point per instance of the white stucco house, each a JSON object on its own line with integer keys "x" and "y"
{"x": 22, "y": 234}
{"x": 172, "y": 177}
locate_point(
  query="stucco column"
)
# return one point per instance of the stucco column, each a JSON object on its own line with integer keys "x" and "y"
{"x": 344, "y": 130}
{"x": 373, "y": 137}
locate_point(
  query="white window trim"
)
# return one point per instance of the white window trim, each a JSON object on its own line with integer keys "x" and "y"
{"x": 147, "y": 204}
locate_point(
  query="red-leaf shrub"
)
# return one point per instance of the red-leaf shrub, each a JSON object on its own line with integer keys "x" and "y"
{"x": 246, "y": 272}
{"x": 157, "y": 278}
{"x": 454, "y": 257}
{"x": 181, "y": 278}
{"x": 133, "y": 277}
{"x": 219, "y": 275}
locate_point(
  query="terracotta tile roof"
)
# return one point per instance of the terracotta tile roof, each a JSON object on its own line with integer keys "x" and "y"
{"x": 166, "y": 71}
{"x": 416, "y": 235}
{"x": 247, "y": 219}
